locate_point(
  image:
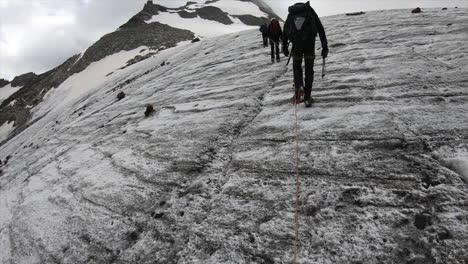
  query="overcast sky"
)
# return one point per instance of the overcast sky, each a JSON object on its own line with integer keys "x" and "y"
{"x": 37, "y": 35}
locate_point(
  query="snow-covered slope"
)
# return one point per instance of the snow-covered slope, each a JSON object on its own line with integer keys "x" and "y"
{"x": 155, "y": 27}
{"x": 209, "y": 177}
{"x": 5, "y": 130}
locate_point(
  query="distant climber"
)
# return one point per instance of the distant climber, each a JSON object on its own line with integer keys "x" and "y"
{"x": 301, "y": 28}
{"x": 274, "y": 34}
{"x": 264, "y": 30}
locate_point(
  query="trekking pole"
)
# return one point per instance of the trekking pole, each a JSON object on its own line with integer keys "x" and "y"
{"x": 323, "y": 68}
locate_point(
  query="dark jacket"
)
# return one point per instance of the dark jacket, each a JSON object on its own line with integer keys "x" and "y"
{"x": 264, "y": 29}
{"x": 306, "y": 39}
{"x": 276, "y": 37}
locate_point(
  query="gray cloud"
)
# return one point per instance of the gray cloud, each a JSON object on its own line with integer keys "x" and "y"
{"x": 39, "y": 35}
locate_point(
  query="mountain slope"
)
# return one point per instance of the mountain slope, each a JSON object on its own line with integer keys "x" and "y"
{"x": 209, "y": 177}
{"x": 154, "y": 28}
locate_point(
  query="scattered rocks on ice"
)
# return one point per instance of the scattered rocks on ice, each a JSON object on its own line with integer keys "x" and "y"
{"x": 120, "y": 96}
{"x": 416, "y": 10}
{"x": 356, "y": 13}
{"x": 149, "y": 110}
{"x": 422, "y": 220}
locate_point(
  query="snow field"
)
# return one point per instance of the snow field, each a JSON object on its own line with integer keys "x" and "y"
{"x": 209, "y": 178}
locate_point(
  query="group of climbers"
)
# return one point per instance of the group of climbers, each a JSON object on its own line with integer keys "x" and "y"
{"x": 272, "y": 33}
{"x": 300, "y": 29}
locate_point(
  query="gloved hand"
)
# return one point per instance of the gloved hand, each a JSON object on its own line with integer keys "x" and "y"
{"x": 325, "y": 52}
{"x": 285, "y": 50}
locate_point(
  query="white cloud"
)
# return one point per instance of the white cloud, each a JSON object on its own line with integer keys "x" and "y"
{"x": 39, "y": 35}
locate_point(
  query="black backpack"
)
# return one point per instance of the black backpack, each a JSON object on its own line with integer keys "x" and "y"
{"x": 302, "y": 28}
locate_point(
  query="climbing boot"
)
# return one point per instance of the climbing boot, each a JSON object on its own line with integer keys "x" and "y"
{"x": 299, "y": 95}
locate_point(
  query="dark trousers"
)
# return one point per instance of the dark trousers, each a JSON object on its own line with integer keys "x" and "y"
{"x": 274, "y": 47}
{"x": 309, "y": 57}
{"x": 265, "y": 40}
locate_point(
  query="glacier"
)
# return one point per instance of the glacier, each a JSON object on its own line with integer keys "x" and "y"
{"x": 209, "y": 177}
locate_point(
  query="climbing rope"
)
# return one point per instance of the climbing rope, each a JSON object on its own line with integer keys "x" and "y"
{"x": 298, "y": 185}
{"x": 298, "y": 179}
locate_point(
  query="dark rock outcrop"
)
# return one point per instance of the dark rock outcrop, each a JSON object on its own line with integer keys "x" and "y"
{"x": 214, "y": 13}
{"x": 153, "y": 35}
{"x": 356, "y": 13}
{"x": 416, "y": 10}
{"x": 23, "y": 79}
{"x": 149, "y": 10}
{"x": 3, "y": 83}
{"x": 252, "y": 20}
{"x": 185, "y": 14}
{"x": 31, "y": 94}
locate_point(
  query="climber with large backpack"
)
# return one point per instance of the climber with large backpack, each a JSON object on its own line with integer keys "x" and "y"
{"x": 301, "y": 29}
{"x": 274, "y": 34}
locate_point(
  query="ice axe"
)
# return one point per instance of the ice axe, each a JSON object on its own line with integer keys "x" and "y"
{"x": 290, "y": 55}
{"x": 323, "y": 67}
{"x": 289, "y": 59}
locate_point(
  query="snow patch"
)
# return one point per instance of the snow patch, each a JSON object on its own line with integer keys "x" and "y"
{"x": 459, "y": 164}
{"x": 6, "y": 129}
{"x": 234, "y": 7}
{"x": 83, "y": 82}
{"x": 199, "y": 26}
{"x": 7, "y": 91}
{"x": 455, "y": 160}
{"x": 78, "y": 59}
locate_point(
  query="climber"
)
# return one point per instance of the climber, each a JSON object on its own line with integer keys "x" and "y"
{"x": 274, "y": 34}
{"x": 301, "y": 28}
{"x": 264, "y": 30}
